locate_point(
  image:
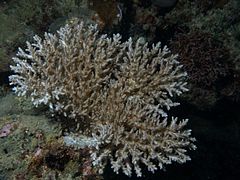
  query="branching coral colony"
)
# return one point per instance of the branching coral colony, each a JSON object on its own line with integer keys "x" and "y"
{"x": 123, "y": 90}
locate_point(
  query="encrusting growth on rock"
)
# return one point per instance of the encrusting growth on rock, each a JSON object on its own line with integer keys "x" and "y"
{"x": 123, "y": 90}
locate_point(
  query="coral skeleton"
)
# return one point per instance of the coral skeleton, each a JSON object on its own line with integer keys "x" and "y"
{"x": 121, "y": 90}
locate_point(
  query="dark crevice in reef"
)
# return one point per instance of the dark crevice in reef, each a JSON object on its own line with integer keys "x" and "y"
{"x": 4, "y": 78}
{"x": 57, "y": 160}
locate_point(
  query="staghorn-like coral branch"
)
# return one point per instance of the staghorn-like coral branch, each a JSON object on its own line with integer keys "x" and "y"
{"x": 123, "y": 90}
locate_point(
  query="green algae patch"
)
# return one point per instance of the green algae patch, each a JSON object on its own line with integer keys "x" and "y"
{"x": 21, "y": 134}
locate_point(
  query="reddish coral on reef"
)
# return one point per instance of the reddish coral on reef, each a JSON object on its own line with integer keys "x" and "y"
{"x": 203, "y": 57}
{"x": 54, "y": 158}
{"x": 106, "y": 12}
{"x": 6, "y": 130}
